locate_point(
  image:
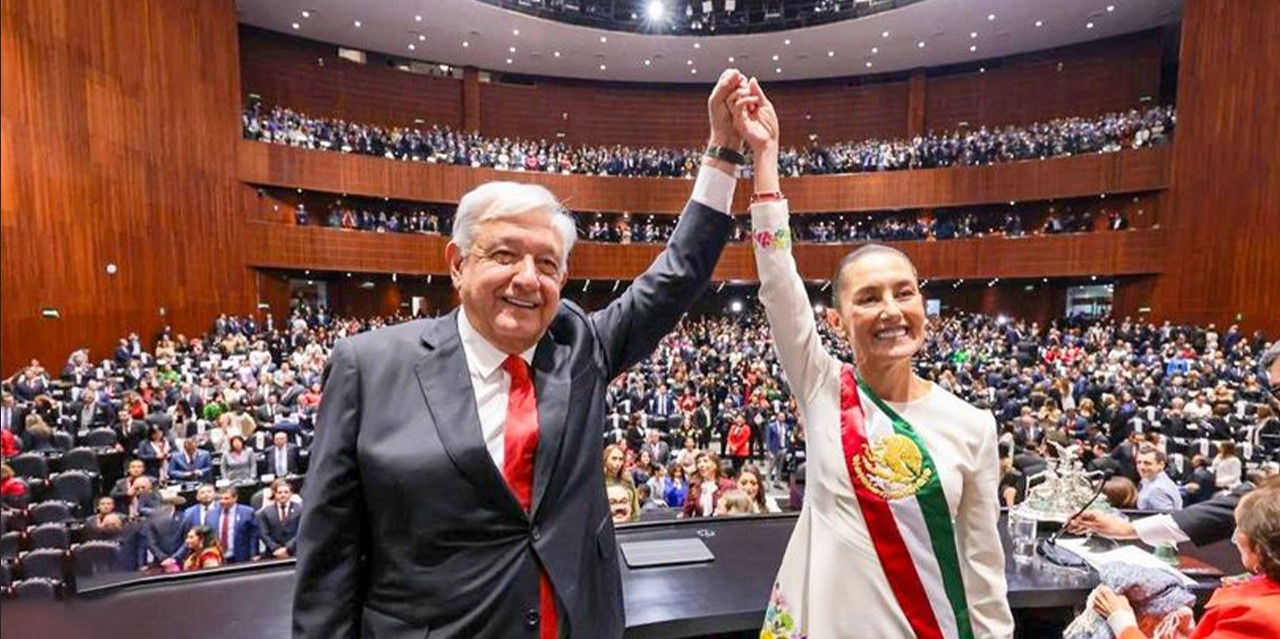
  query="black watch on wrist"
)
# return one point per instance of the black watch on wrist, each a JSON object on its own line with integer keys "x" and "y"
{"x": 732, "y": 156}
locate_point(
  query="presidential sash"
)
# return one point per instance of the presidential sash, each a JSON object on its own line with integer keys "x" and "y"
{"x": 901, "y": 499}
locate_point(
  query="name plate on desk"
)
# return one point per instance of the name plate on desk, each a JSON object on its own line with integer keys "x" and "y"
{"x": 665, "y": 552}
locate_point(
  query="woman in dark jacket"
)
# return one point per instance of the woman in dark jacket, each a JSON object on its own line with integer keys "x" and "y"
{"x": 706, "y": 487}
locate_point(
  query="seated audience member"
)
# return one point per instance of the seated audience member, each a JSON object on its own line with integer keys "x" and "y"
{"x": 615, "y": 472}
{"x": 1228, "y": 470}
{"x": 644, "y": 495}
{"x": 278, "y": 522}
{"x": 10, "y": 445}
{"x": 37, "y": 436}
{"x": 706, "y": 488}
{"x": 192, "y": 464}
{"x": 13, "y": 491}
{"x": 1249, "y": 609}
{"x": 281, "y": 456}
{"x": 93, "y": 524}
{"x": 1201, "y": 484}
{"x": 135, "y": 469}
{"x": 1157, "y": 492}
{"x": 733, "y": 502}
{"x": 235, "y": 528}
{"x": 202, "y": 549}
{"x": 750, "y": 483}
{"x": 677, "y": 486}
{"x": 239, "y": 462}
{"x": 620, "y": 502}
{"x": 1013, "y": 484}
{"x": 1120, "y": 492}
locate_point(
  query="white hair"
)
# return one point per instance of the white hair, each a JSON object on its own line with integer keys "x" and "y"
{"x": 496, "y": 200}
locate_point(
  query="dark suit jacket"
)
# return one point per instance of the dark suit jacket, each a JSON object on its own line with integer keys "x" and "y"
{"x": 275, "y": 533}
{"x": 408, "y": 525}
{"x": 1212, "y": 520}
{"x": 267, "y": 460}
{"x": 243, "y": 531}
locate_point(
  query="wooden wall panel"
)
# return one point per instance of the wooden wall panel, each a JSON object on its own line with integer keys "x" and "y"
{"x": 1085, "y": 80}
{"x": 283, "y": 246}
{"x": 119, "y": 131}
{"x": 308, "y": 76}
{"x": 1225, "y": 193}
{"x": 331, "y": 172}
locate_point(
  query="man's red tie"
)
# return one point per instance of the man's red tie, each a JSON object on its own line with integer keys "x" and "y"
{"x": 520, "y": 446}
{"x": 223, "y": 537}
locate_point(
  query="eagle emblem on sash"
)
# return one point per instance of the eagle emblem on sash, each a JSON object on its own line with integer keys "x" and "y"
{"x": 892, "y": 467}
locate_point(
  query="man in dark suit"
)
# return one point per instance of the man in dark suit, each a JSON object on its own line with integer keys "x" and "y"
{"x": 281, "y": 457}
{"x": 456, "y": 486}
{"x": 1201, "y": 524}
{"x": 163, "y": 533}
{"x": 192, "y": 464}
{"x": 235, "y": 527}
{"x": 278, "y": 522}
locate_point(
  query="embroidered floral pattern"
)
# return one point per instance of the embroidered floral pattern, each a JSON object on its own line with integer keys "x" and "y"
{"x": 778, "y": 622}
{"x": 780, "y": 238}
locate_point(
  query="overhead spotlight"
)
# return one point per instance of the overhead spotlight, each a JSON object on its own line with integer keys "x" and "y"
{"x": 973, "y": 35}
{"x": 555, "y": 53}
{"x": 306, "y": 13}
{"x": 730, "y": 59}
{"x": 787, "y": 42}
{"x": 920, "y": 44}
{"x": 515, "y": 32}
{"x": 875, "y": 50}
{"x": 775, "y": 57}
{"x": 868, "y": 64}
{"x": 603, "y": 67}
{"x": 511, "y": 49}
{"x": 884, "y": 34}
{"x": 1110, "y": 8}
{"x": 417, "y": 18}
{"x": 655, "y": 10}
{"x": 465, "y": 44}
{"x": 697, "y": 45}
{"x": 604, "y": 38}
{"x": 422, "y": 37}
{"x": 509, "y": 61}
{"x": 688, "y": 63}
{"x": 1088, "y": 25}
{"x": 990, "y": 17}
{"x": 648, "y": 63}
{"x": 412, "y": 46}
{"x": 358, "y": 24}
{"x": 973, "y": 47}
{"x": 1039, "y": 23}
{"x": 296, "y": 25}
{"x": 735, "y": 306}
{"x": 778, "y": 70}
{"x": 693, "y": 71}
{"x": 831, "y": 54}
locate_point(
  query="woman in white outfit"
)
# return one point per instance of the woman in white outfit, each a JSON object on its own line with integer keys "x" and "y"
{"x": 898, "y": 536}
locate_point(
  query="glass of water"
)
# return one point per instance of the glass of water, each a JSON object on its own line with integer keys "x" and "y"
{"x": 1022, "y": 530}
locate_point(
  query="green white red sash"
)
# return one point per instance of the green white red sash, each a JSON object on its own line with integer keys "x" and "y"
{"x": 901, "y": 499}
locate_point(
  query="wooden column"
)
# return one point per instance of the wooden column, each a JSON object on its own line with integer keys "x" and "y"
{"x": 1224, "y": 194}
{"x": 915, "y": 103}
{"x": 470, "y": 99}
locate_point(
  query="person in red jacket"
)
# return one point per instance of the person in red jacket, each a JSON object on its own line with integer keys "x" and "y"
{"x": 1246, "y": 609}
{"x": 8, "y": 444}
{"x": 739, "y": 442}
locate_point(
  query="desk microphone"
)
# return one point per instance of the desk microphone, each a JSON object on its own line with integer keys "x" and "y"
{"x": 1048, "y": 547}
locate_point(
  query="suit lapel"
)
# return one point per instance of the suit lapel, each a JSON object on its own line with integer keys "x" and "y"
{"x": 446, "y": 386}
{"x": 551, "y": 385}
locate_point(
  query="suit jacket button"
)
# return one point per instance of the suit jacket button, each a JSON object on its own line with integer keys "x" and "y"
{"x": 531, "y": 618}
{"x": 535, "y": 533}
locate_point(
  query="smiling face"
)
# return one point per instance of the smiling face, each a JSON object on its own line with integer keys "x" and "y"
{"x": 748, "y": 483}
{"x": 880, "y": 308}
{"x": 510, "y": 279}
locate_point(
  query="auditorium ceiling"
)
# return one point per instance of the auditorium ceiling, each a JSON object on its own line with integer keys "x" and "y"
{"x": 928, "y": 33}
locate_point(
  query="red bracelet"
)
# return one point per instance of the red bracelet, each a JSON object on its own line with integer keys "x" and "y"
{"x": 769, "y": 196}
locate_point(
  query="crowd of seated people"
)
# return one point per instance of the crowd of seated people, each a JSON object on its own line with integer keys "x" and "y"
{"x": 442, "y": 145}
{"x": 213, "y": 432}
{"x": 628, "y": 228}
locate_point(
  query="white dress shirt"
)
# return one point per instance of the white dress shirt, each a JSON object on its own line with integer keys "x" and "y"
{"x": 490, "y": 381}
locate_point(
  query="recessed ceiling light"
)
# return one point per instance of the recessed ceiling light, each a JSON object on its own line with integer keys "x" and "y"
{"x": 509, "y": 60}
{"x": 775, "y": 57}
{"x": 982, "y": 69}
{"x": 555, "y": 53}
{"x": 787, "y": 42}
{"x": 511, "y": 49}
{"x": 358, "y": 25}
{"x": 973, "y": 34}
{"x": 604, "y": 38}
{"x": 884, "y": 34}
{"x": 973, "y": 47}
{"x": 920, "y": 44}
{"x": 868, "y": 64}
{"x": 465, "y": 44}
{"x": 422, "y": 37}
{"x": 778, "y": 70}
{"x": 412, "y": 46}
{"x": 1039, "y": 23}
{"x": 875, "y": 50}
{"x": 1088, "y": 25}
{"x": 693, "y": 71}
{"x": 697, "y": 45}
{"x": 417, "y": 18}
{"x": 831, "y": 54}
{"x": 990, "y": 17}
{"x": 1110, "y": 8}
{"x": 648, "y": 62}
{"x": 730, "y": 59}
{"x": 602, "y": 67}
{"x": 307, "y": 14}
{"x": 515, "y": 32}
{"x": 688, "y": 63}
{"x": 297, "y": 26}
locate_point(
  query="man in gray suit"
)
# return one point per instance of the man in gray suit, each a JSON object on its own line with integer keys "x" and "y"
{"x": 455, "y": 488}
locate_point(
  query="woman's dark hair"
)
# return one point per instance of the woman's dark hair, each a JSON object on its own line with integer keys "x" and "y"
{"x": 233, "y": 440}
{"x": 715, "y": 461}
{"x": 207, "y": 538}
